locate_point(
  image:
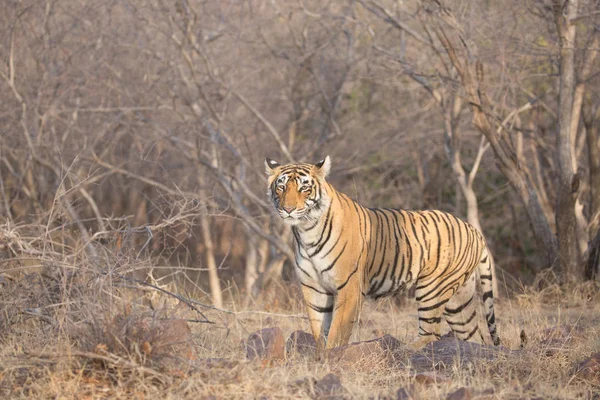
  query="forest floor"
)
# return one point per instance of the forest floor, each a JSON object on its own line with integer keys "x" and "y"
{"x": 65, "y": 337}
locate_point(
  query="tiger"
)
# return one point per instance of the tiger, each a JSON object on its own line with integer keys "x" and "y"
{"x": 345, "y": 253}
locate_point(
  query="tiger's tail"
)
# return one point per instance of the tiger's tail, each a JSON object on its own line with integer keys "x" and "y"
{"x": 485, "y": 277}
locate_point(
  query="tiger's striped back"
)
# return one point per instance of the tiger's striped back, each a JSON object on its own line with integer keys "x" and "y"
{"x": 421, "y": 245}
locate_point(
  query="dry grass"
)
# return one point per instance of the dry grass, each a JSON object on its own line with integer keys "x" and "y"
{"x": 72, "y": 327}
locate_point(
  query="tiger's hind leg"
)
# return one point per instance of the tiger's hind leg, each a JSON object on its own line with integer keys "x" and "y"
{"x": 430, "y": 319}
{"x": 461, "y": 312}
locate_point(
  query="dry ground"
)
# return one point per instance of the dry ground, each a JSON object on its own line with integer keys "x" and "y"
{"x": 74, "y": 328}
{"x": 40, "y": 359}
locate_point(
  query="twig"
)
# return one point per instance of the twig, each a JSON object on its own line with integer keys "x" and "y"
{"x": 266, "y": 123}
{"x": 190, "y": 303}
{"x": 142, "y": 179}
{"x": 223, "y": 310}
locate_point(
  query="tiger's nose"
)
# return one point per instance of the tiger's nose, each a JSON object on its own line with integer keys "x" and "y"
{"x": 289, "y": 209}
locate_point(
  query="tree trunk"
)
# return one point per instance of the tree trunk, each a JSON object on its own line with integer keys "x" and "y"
{"x": 213, "y": 274}
{"x": 251, "y": 274}
{"x": 593, "y": 145}
{"x": 568, "y": 179}
{"x": 592, "y": 268}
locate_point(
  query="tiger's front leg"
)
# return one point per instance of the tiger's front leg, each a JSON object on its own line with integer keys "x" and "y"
{"x": 346, "y": 310}
{"x": 319, "y": 305}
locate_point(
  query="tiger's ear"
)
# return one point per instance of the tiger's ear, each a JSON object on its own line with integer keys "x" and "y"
{"x": 270, "y": 166}
{"x": 323, "y": 167}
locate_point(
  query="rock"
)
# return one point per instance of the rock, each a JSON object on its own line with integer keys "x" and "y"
{"x": 374, "y": 353}
{"x": 589, "y": 369}
{"x": 445, "y": 353}
{"x": 330, "y": 387}
{"x": 266, "y": 345}
{"x": 304, "y": 386}
{"x": 300, "y": 343}
{"x": 430, "y": 378}
{"x": 460, "y": 394}
{"x": 407, "y": 393}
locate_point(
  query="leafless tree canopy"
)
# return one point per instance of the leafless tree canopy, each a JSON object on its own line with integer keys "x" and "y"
{"x": 143, "y": 124}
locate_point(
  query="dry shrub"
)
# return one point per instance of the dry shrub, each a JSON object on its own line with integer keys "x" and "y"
{"x": 68, "y": 314}
{"x": 159, "y": 339}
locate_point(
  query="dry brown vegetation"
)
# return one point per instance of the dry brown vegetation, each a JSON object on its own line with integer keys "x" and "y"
{"x": 73, "y": 330}
{"x": 138, "y": 251}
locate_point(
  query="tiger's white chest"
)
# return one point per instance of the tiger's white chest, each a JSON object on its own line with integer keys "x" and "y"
{"x": 326, "y": 278}
{"x": 317, "y": 263}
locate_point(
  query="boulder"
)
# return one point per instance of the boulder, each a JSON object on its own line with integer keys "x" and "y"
{"x": 301, "y": 343}
{"x": 445, "y": 353}
{"x": 407, "y": 393}
{"x": 330, "y": 387}
{"x": 461, "y": 394}
{"x": 380, "y": 352}
{"x": 266, "y": 345}
{"x": 430, "y": 378}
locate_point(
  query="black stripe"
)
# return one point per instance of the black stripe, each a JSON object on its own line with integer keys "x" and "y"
{"x": 335, "y": 260}
{"x": 300, "y": 268}
{"x": 447, "y": 285}
{"x": 349, "y": 276}
{"x": 327, "y": 227}
{"x": 318, "y": 309}
{"x": 472, "y": 332}
{"x": 488, "y": 277}
{"x": 488, "y": 295}
{"x": 358, "y": 214}
{"x": 332, "y": 247}
{"x": 385, "y": 227}
{"x": 433, "y": 307}
{"x": 458, "y": 224}
{"x": 424, "y": 226}
{"x": 463, "y": 323}
{"x": 315, "y": 289}
{"x": 439, "y": 246}
{"x": 432, "y": 320}
{"x": 424, "y": 333}
{"x": 408, "y": 244}
{"x": 460, "y": 308}
{"x": 372, "y": 253}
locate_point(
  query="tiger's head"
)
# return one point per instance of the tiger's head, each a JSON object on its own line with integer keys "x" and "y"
{"x": 296, "y": 190}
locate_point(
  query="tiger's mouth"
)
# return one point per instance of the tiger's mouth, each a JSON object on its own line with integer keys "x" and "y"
{"x": 296, "y": 214}
{"x": 293, "y": 217}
